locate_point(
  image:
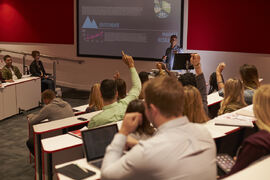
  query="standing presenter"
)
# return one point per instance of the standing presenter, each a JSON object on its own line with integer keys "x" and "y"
{"x": 171, "y": 51}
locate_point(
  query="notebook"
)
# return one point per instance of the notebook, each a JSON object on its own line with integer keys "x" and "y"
{"x": 231, "y": 119}
{"x": 95, "y": 142}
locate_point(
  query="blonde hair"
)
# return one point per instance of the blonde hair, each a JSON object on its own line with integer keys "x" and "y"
{"x": 233, "y": 93}
{"x": 193, "y": 106}
{"x": 95, "y": 98}
{"x": 166, "y": 93}
{"x": 261, "y": 107}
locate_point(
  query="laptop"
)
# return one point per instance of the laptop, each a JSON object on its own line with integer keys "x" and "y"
{"x": 95, "y": 142}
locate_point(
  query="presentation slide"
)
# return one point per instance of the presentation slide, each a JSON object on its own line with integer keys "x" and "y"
{"x": 142, "y": 28}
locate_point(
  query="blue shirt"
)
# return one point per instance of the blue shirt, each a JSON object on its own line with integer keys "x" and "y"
{"x": 170, "y": 55}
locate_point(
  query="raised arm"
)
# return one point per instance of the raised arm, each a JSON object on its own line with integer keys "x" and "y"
{"x": 135, "y": 90}
{"x": 195, "y": 60}
{"x": 219, "y": 70}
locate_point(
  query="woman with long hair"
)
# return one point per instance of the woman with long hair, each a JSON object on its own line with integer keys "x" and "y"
{"x": 233, "y": 96}
{"x": 145, "y": 130}
{"x": 250, "y": 78}
{"x": 193, "y": 106}
{"x": 95, "y": 99}
{"x": 257, "y": 145}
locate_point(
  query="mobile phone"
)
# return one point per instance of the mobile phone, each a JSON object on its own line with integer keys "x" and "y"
{"x": 82, "y": 119}
{"x": 225, "y": 162}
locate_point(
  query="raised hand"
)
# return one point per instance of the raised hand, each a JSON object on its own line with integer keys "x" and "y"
{"x": 130, "y": 123}
{"x": 128, "y": 60}
{"x": 116, "y": 75}
{"x": 220, "y": 67}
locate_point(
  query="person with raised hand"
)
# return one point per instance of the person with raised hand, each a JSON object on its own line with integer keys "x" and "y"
{"x": 114, "y": 110}
{"x": 221, "y": 66}
{"x": 197, "y": 80}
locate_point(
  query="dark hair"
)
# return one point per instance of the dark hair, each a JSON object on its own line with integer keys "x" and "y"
{"x": 35, "y": 53}
{"x": 188, "y": 79}
{"x": 48, "y": 94}
{"x": 138, "y": 106}
{"x": 108, "y": 89}
{"x": 173, "y": 36}
{"x": 121, "y": 88}
{"x": 213, "y": 82}
{"x": 143, "y": 76}
{"x": 249, "y": 75}
{"x": 6, "y": 56}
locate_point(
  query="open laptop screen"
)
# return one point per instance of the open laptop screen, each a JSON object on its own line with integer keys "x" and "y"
{"x": 97, "y": 139}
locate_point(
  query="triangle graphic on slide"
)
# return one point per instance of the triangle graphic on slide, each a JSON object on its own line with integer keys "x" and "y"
{"x": 88, "y": 24}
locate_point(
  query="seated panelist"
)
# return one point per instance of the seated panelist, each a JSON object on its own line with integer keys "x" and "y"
{"x": 10, "y": 72}
{"x": 37, "y": 69}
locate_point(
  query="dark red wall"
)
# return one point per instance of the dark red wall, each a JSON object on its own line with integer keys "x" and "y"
{"x": 230, "y": 25}
{"x": 46, "y": 21}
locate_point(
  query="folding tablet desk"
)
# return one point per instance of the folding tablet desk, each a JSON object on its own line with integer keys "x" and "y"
{"x": 60, "y": 149}
{"x": 50, "y": 129}
{"x": 214, "y": 98}
{"x": 80, "y": 109}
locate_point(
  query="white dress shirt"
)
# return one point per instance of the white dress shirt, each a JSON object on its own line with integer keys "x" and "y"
{"x": 14, "y": 77}
{"x": 179, "y": 150}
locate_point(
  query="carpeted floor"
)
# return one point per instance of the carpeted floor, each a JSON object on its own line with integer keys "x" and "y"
{"x": 14, "y": 155}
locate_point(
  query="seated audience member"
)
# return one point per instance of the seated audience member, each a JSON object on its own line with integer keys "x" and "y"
{"x": 257, "y": 145}
{"x": 10, "y": 72}
{"x": 178, "y": 150}
{"x": 161, "y": 69}
{"x": 121, "y": 86}
{"x": 197, "y": 80}
{"x": 250, "y": 78}
{"x": 95, "y": 99}
{"x": 114, "y": 110}
{"x": 213, "y": 83}
{"x": 54, "y": 109}
{"x": 193, "y": 107}
{"x": 143, "y": 77}
{"x": 144, "y": 130}
{"x": 233, "y": 96}
{"x": 37, "y": 69}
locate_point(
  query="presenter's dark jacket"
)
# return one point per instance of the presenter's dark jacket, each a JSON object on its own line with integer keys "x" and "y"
{"x": 256, "y": 146}
{"x": 37, "y": 69}
{"x": 7, "y": 74}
